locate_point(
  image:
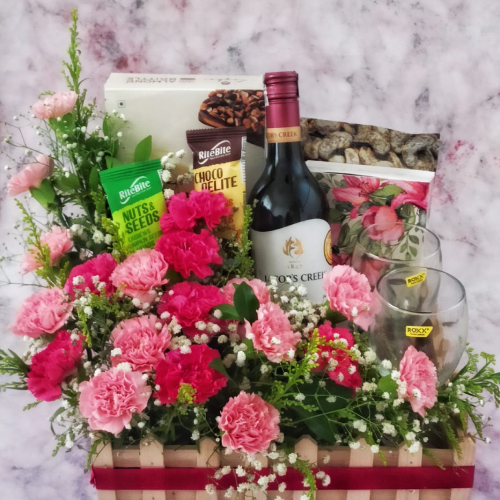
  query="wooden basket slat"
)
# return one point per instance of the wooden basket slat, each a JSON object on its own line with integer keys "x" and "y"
{"x": 152, "y": 454}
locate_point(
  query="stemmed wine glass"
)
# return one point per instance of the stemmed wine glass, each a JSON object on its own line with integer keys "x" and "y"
{"x": 429, "y": 313}
{"x": 383, "y": 247}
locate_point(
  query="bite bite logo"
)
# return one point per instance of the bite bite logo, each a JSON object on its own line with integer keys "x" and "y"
{"x": 140, "y": 184}
{"x": 220, "y": 150}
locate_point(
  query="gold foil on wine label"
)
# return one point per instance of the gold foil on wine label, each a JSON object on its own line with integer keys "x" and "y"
{"x": 328, "y": 248}
{"x": 418, "y": 331}
{"x": 283, "y": 134}
{"x": 293, "y": 247}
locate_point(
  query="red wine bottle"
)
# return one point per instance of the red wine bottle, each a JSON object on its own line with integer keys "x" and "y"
{"x": 290, "y": 233}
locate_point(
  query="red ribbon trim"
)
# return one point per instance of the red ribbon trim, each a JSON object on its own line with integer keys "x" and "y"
{"x": 353, "y": 478}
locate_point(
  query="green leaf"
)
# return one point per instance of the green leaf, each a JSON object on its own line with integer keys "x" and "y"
{"x": 44, "y": 193}
{"x": 67, "y": 123}
{"x": 94, "y": 178}
{"x": 64, "y": 125}
{"x": 218, "y": 366}
{"x": 386, "y": 384}
{"x": 173, "y": 277}
{"x": 320, "y": 422}
{"x": 343, "y": 235}
{"x": 387, "y": 191}
{"x": 228, "y": 311}
{"x": 68, "y": 184}
{"x": 413, "y": 251}
{"x": 245, "y": 302}
{"x": 143, "y": 149}
{"x": 414, "y": 239}
{"x": 336, "y": 216}
{"x": 106, "y": 127}
{"x": 112, "y": 162}
{"x": 334, "y": 316}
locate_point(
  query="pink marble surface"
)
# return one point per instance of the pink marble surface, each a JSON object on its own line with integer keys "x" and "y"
{"x": 428, "y": 65}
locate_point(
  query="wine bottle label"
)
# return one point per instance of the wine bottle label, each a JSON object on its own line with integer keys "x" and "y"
{"x": 301, "y": 252}
{"x": 283, "y": 134}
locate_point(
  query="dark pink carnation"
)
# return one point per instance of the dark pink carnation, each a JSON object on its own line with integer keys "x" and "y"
{"x": 191, "y": 302}
{"x": 189, "y": 252}
{"x": 102, "y": 266}
{"x": 209, "y": 206}
{"x": 249, "y": 423}
{"x": 181, "y": 214}
{"x": 184, "y": 212}
{"x": 50, "y": 367}
{"x": 191, "y": 368}
{"x": 335, "y": 359}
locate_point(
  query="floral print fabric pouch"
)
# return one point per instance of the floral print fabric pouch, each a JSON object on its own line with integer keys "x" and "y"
{"x": 370, "y": 175}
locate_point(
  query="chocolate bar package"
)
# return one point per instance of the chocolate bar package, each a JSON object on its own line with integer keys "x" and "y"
{"x": 165, "y": 106}
{"x": 363, "y": 168}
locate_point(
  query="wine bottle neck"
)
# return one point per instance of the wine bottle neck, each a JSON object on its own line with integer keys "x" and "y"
{"x": 286, "y": 154}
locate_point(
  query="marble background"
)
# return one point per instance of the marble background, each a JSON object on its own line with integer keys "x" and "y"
{"x": 428, "y": 65}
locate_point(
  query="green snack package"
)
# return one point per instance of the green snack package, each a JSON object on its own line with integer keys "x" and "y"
{"x": 136, "y": 201}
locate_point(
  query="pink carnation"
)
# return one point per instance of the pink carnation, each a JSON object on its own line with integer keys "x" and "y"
{"x": 31, "y": 176}
{"x": 387, "y": 229}
{"x": 347, "y": 290}
{"x": 181, "y": 214}
{"x": 45, "y": 312}
{"x": 191, "y": 302}
{"x": 110, "y": 399}
{"x": 56, "y": 105}
{"x": 189, "y": 252}
{"x": 140, "y": 273}
{"x": 259, "y": 289}
{"x": 184, "y": 212}
{"x": 272, "y": 333}
{"x": 419, "y": 380}
{"x": 141, "y": 343}
{"x": 98, "y": 269}
{"x": 59, "y": 242}
{"x": 191, "y": 368}
{"x": 50, "y": 367}
{"x": 335, "y": 360}
{"x": 249, "y": 423}
{"x": 209, "y": 206}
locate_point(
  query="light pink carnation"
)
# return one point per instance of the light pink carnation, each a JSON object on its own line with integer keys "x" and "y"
{"x": 140, "y": 273}
{"x": 249, "y": 423}
{"x": 347, "y": 290}
{"x": 419, "y": 380}
{"x": 56, "y": 105}
{"x": 272, "y": 333}
{"x": 44, "y": 312}
{"x": 59, "y": 242}
{"x": 141, "y": 343}
{"x": 110, "y": 399}
{"x": 259, "y": 289}
{"x": 31, "y": 176}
